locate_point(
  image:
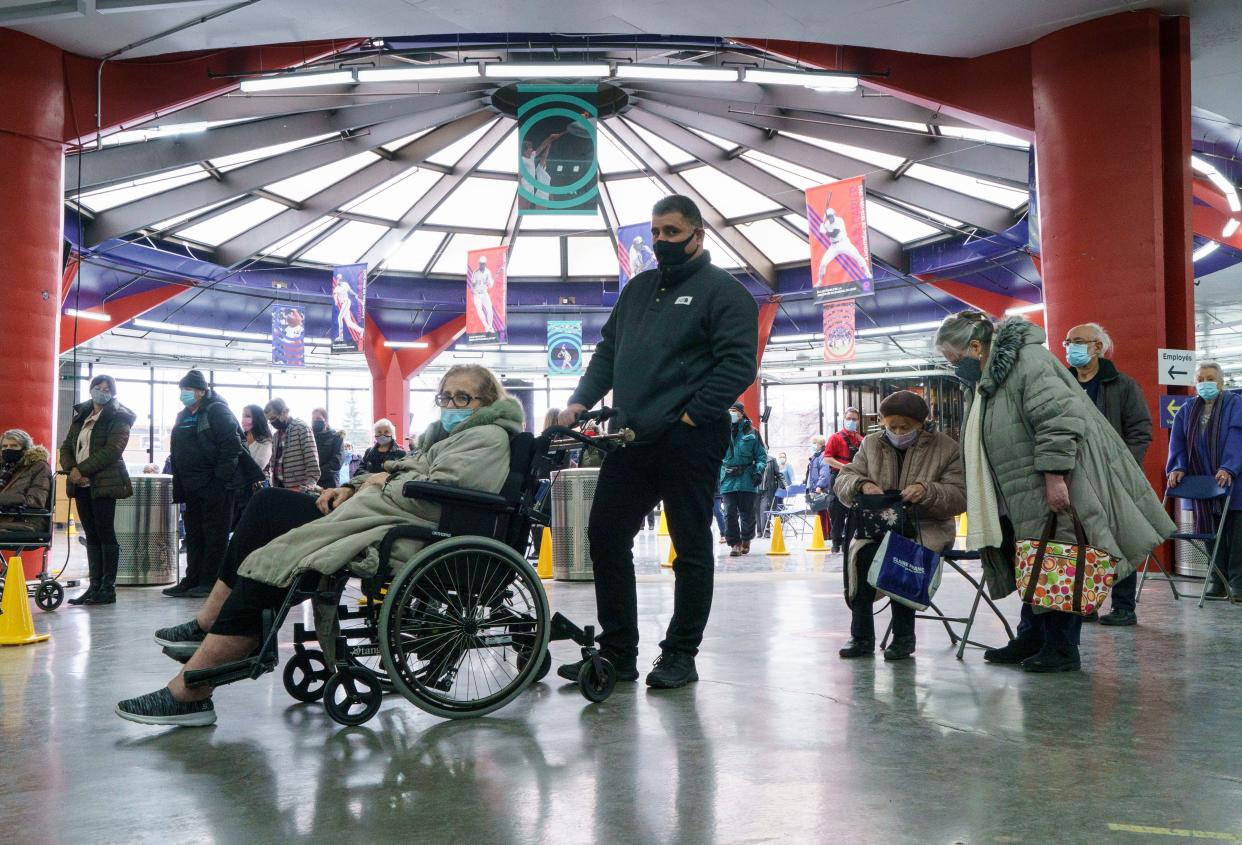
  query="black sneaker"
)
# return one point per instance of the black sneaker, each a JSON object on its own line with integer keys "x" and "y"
{"x": 1051, "y": 659}
{"x": 1120, "y": 618}
{"x": 626, "y": 670}
{"x": 672, "y": 670}
{"x": 160, "y": 708}
{"x": 180, "y": 636}
{"x": 178, "y": 590}
{"x": 199, "y": 592}
{"x": 857, "y": 648}
{"x": 901, "y": 648}
{"x": 1015, "y": 652}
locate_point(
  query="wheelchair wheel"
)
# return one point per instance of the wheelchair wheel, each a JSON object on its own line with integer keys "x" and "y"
{"x": 49, "y": 595}
{"x": 456, "y": 623}
{"x": 361, "y": 637}
{"x": 597, "y": 686}
{"x": 306, "y": 674}
{"x": 352, "y": 696}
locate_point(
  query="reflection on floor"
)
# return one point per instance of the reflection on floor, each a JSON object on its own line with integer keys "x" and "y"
{"x": 780, "y": 742}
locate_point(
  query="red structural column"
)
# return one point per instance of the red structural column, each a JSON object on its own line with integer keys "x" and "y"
{"x": 392, "y": 369}
{"x": 767, "y": 316}
{"x": 1114, "y": 218}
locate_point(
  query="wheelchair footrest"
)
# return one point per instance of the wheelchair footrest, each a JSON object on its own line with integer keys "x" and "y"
{"x": 563, "y": 629}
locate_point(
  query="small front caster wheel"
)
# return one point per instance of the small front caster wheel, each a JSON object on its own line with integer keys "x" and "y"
{"x": 597, "y": 686}
{"x": 49, "y": 595}
{"x": 306, "y": 674}
{"x": 352, "y": 696}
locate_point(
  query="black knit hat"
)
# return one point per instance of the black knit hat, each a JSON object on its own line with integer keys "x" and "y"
{"x": 906, "y": 404}
{"x": 193, "y": 380}
{"x": 738, "y": 406}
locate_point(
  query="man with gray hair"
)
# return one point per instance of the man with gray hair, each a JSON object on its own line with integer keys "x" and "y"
{"x": 1119, "y": 398}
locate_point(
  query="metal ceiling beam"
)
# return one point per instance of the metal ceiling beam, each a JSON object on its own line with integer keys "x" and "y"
{"x": 136, "y": 215}
{"x": 273, "y": 231}
{"x": 440, "y": 191}
{"x": 754, "y": 258}
{"x": 952, "y": 204}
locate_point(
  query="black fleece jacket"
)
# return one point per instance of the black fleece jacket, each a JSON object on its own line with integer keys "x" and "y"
{"x": 680, "y": 340}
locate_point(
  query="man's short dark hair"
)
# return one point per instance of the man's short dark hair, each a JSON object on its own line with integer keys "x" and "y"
{"x": 683, "y": 206}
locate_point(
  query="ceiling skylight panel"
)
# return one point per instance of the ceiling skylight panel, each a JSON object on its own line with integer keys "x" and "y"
{"x": 477, "y": 203}
{"x": 874, "y": 157}
{"x": 563, "y": 223}
{"x": 729, "y": 196}
{"x": 306, "y": 185}
{"x": 453, "y": 260}
{"x": 612, "y": 156}
{"x": 231, "y": 162}
{"x": 288, "y": 246}
{"x": 633, "y": 199}
{"x": 969, "y": 185}
{"x": 345, "y": 245}
{"x": 229, "y": 224}
{"x": 503, "y": 159}
{"x": 415, "y": 251}
{"x": 535, "y": 256}
{"x": 794, "y": 174}
{"x": 985, "y": 135}
{"x": 136, "y": 189}
{"x": 779, "y": 244}
{"x": 900, "y": 227}
{"x": 592, "y": 257}
{"x": 715, "y": 139}
{"x": 450, "y": 155}
{"x": 394, "y": 146}
{"x": 722, "y": 255}
{"x": 395, "y": 197}
{"x": 671, "y": 154}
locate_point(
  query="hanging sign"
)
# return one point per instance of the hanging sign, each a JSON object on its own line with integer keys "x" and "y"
{"x": 349, "y": 311}
{"x": 634, "y": 252}
{"x": 839, "y": 336}
{"x": 485, "y": 295}
{"x": 557, "y": 168}
{"x": 288, "y": 336}
{"x": 1176, "y": 367}
{"x": 564, "y": 347}
{"x": 836, "y": 215}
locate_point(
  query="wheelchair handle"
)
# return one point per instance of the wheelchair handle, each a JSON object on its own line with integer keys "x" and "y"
{"x": 569, "y": 438}
{"x": 602, "y": 415}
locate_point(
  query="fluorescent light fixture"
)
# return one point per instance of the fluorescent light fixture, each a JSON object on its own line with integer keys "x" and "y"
{"x": 1200, "y": 166}
{"x": 287, "y": 81}
{"x": 1230, "y": 228}
{"x": 678, "y": 73}
{"x": 1205, "y": 250}
{"x": 879, "y": 365}
{"x": 921, "y": 327}
{"x": 406, "y": 344}
{"x": 795, "y": 338}
{"x": 421, "y": 73}
{"x": 805, "y": 79}
{"x": 177, "y": 328}
{"x": 1220, "y": 182}
{"x": 1024, "y": 309}
{"x": 524, "y": 347}
{"x": 88, "y": 315}
{"x": 908, "y": 328}
{"x": 247, "y": 336}
{"x": 1234, "y": 205}
{"x": 553, "y": 70}
{"x": 878, "y": 331}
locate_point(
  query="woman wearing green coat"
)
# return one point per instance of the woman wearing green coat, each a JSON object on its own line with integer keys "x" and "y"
{"x": 740, "y": 475}
{"x": 1034, "y": 443}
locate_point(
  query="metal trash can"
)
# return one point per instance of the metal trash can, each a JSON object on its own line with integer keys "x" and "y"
{"x": 573, "y": 491}
{"x": 146, "y": 529}
{"x": 1188, "y": 557}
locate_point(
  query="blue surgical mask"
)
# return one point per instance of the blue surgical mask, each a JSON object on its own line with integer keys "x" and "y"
{"x": 1207, "y": 390}
{"x": 450, "y": 418}
{"x": 735, "y": 417}
{"x": 1078, "y": 354}
{"x": 188, "y": 398}
{"x": 851, "y": 425}
{"x": 903, "y": 441}
{"x": 100, "y": 396}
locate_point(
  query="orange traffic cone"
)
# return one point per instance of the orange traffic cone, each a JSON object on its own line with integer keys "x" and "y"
{"x": 817, "y": 538}
{"x": 778, "y": 539}
{"x": 16, "y": 623}
{"x": 672, "y": 556}
{"x": 545, "y": 554}
{"x": 662, "y": 531}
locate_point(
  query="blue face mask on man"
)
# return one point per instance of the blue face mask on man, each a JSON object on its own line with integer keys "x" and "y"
{"x": 1207, "y": 390}
{"x": 450, "y": 418}
{"x": 1078, "y": 354}
{"x": 851, "y": 425}
{"x": 188, "y": 398}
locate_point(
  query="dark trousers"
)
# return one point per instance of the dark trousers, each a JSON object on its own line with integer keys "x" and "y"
{"x": 1059, "y": 630}
{"x": 1125, "y": 593}
{"x": 97, "y": 516}
{"x": 208, "y": 515}
{"x": 718, "y": 514}
{"x": 681, "y": 469}
{"x": 763, "y": 504}
{"x": 1229, "y": 557}
{"x": 739, "y": 517}
{"x": 862, "y": 619}
{"x": 836, "y": 515}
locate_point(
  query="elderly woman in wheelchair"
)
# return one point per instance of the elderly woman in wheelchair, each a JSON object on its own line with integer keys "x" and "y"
{"x": 289, "y": 547}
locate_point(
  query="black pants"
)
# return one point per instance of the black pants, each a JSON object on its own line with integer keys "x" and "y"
{"x": 763, "y": 504}
{"x": 739, "y": 517}
{"x": 98, "y": 517}
{"x": 270, "y": 514}
{"x": 1125, "y": 593}
{"x": 1229, "y": 558}
{"x": 836, "y": 514}
{"x": 208, "y": 515}
{"x": 862, "y": 619}
{"x": 1054, "y": 628}
{"x": 681, "y": 469}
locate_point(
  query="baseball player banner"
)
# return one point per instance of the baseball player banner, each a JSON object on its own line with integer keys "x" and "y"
{"x": 836, "y": 215}
{"x": 485, "y": 295}
{"x": 634, "y": 252}
{"x": 558, "y": 170}
{"x": 839, "y": 336}
{"x": 564, "y": 347}
{"x": 288, "y": 336}
{"x": 349, "y": 309}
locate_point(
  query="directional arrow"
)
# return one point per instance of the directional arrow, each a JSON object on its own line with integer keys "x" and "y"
{"x": 1175, "y": 373}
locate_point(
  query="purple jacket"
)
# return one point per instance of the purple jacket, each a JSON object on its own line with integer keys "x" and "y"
{"x": 1229, "y": 440}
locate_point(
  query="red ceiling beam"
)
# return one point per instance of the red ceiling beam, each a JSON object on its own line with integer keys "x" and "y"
{"x": 392, "y": 369}
{"x": 122, "y": 309}
{"x": 986, "y": 301}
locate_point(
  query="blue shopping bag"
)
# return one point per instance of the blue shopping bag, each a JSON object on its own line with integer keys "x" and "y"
{"x": 905, "y": 571}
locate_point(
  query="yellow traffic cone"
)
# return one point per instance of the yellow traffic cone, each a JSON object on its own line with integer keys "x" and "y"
{"x": 778, "y": 539}
{"x": 817, "y": 538}
{"x": 662, "y": 531}
{"x": 71, "y": 530}
{"x": 545, "y": 554}
{"x": 962, "y": 526}
{"x": 16, "y": 623}
{"x": 672, "y": 556}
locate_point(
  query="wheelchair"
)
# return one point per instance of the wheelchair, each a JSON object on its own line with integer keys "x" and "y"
{"x": 459, "y": 630}
{"x": 48, "y": 592}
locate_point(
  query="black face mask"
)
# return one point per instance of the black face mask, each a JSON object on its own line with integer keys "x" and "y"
{"x": 319, "y": 426}
{"x": 11, "y": 456}
{"x": 672, "y": 253}
{"x": 969, "y": 371}
{"x": 279, "y": 424}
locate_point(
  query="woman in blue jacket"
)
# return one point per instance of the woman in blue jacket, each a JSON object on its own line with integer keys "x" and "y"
{"x": 740, "y": 475}
{"x": 1207, "y": 440}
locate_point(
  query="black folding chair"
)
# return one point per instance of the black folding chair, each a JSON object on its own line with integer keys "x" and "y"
{"x": 1197, "y": 488}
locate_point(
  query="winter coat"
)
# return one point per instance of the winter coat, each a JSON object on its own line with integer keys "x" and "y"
{"x": 374, "y": 459}
{"x": 204, "y": 452}
{"x": 1228, "y": 439}
{"x": 1036, "y": 420}
{"x": 300, "y": 460}
{"x": 935, "y": 460}
{"x": 475, "y": 456}
{"x": 330, "y": 448}
{"x": 105, "y": 466}
{"x": 30, "y": 487}
{"x": 773, "y": 478}
{"x": 742, "y": 469}
{"x": 817, "y": 473}
{"x": 1122, "y": 403}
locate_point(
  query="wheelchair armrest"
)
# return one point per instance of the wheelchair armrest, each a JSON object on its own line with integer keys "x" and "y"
{"x": 402, "y": 532}
{"x": 444, "y": 494}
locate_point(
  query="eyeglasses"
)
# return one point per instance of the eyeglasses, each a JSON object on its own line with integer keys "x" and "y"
{"x": 459, "y": 399}
{"x": 1066, "y": 343}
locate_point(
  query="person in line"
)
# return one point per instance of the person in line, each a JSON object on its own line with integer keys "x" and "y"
{"x": 841, "y": 449}
{"x": 258, "y": 442}
{"x": 1032, "y": 444}
{"x": 1119, "y": 398}
{"x": 740, "y": 474}
{"x": 93, "y": 453}
{"x": 383, "y": 450}
{"x": 927, "y": 468}
{"x": 773, "y": 480}
{"x": 284, "y": 534}
{"x": 329, "y": 446}
{"x": 1207, "y": 440}
{"x": 786, "y": 470}
{"x": 206, "y": 444}
{"x": 349, "y": 464}
{"x": 818, "y": 480}
{"x": 676, "y": 352}
{"x": 25, "y": 482}
{"x": 295, "y": 459}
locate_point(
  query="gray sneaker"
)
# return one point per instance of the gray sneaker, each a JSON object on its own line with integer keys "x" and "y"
{"x": 180, "y": 637}
{"x": 160, "y": 708}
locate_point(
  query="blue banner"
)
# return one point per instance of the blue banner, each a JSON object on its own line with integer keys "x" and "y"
{"x": 1169, "y": 406}
{"x": 288, "y": 336}
{"x": 634, "y": 251}
{"x": 349, "y": 309}
{"x": 564, "y": 347}
{"x": 558, "y": 171}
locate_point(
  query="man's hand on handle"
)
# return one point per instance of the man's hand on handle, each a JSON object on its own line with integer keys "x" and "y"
{"x": 1056, "y": 491}
{"x": 569, "y": 416}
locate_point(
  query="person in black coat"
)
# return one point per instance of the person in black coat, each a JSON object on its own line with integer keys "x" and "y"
{"x": 331, "y": 447}
{"x": 384, "y": 449}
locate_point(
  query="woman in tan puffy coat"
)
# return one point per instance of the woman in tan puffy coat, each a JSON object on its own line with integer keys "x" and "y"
{"x": 926, "y": 467}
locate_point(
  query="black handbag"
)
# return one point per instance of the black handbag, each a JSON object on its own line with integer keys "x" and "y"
{"x": 818, "y": 502}
{"x": 873, "y": 516}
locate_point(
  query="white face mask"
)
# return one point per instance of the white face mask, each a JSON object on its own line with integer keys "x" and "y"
{"x": 902, "y": 441}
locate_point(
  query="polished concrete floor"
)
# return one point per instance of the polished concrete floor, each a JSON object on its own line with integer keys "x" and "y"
{"x": 781, "y": 741}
